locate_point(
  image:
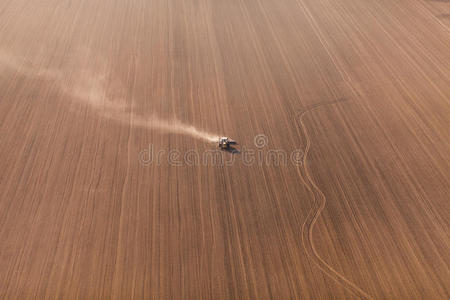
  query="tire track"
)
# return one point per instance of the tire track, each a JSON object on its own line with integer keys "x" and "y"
{"x": 318, "y": 204}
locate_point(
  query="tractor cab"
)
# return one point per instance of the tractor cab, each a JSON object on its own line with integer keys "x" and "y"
{"x": 225, "y": 143}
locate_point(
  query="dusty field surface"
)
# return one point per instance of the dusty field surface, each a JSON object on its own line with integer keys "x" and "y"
{"x": 109, "y": 110}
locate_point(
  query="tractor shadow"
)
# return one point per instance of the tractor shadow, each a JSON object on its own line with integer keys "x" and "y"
{"x": 232, "y": 150}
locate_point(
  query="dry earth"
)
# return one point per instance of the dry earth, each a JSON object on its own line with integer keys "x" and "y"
{"x": 89, "y": 88}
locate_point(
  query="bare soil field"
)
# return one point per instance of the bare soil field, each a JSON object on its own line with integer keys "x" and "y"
{"x": 112, "y": 185}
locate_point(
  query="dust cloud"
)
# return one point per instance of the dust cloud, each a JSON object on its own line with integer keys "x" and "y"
{"x": 92, "y": 85}
{"x": 176, "y": 127}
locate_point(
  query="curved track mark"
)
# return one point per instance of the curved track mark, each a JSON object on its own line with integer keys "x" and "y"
{"x": 319, "y": 201}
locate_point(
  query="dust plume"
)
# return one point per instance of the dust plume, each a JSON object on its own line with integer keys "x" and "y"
{"x": 175, "y": 127}
{"x": 109, "y": 101}
{"x": 93, "y": 85}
